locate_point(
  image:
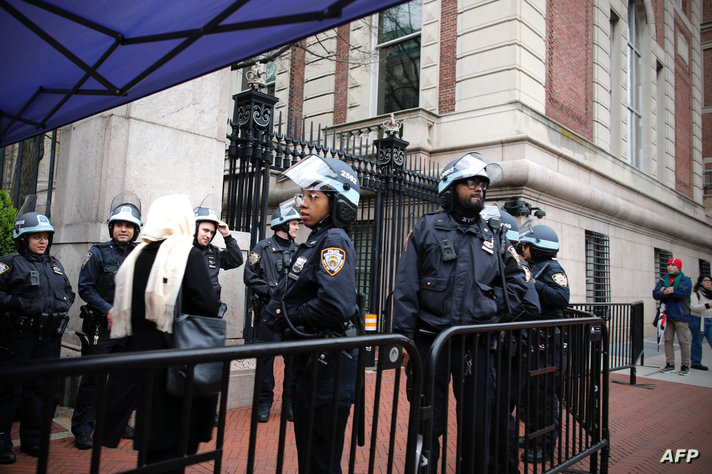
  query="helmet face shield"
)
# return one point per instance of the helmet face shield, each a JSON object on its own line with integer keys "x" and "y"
{"x": 126, "y": 206}
{"x": 314, "y": 172}
{"x": 468, "y": 166}
{"x": 539, "y": 236}
{"x": 287, "y": 211}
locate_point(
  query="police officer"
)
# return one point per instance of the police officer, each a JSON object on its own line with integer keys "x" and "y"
{"x": 539, "y": 246}
{"x": 35, "y": 295}
{"x": 96, "y": 287}
{"x": 266, "y": 266}
{"x": 511, "y": 368}
{"x": 318, "y": 299}
{"x": 206, "y": 225}
{"x": 449, "y": 275}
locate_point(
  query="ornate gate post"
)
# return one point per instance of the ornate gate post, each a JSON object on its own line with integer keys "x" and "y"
{"x": 390, "y": 156}
{"x": 250, "y": 156}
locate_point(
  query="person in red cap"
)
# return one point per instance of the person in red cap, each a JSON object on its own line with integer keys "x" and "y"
{"x": 673, "y": 291}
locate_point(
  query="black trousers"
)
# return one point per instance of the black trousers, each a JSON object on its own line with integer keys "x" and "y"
{"x": 24, "y": 346}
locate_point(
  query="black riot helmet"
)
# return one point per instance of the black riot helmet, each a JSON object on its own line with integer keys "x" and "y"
{"x": 331, "y": 176}
{"x": 29, "y": 222}
{"x": 283, "y": 215}
{"x": 467, "y": 166}
{"x": 126, "y": 207}
{"x": 543, "y": 241}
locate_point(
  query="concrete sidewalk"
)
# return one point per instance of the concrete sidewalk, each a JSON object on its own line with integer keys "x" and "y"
{"x": 660, "y": 412}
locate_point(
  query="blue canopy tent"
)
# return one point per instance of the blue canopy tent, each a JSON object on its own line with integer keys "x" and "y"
{"x": 64, "y": 60}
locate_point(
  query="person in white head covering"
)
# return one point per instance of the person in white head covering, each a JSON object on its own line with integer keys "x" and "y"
{"x": 147, "y": 285}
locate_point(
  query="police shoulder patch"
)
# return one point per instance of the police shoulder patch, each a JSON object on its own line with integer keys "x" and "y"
{"x": 511, "y": 250}
{"x": 254, "y": 258}
{"x": 87, "y": 257}
{"x": 561, "y": 279}
{"x": 332, "y": 259}
{"x": 3, "y": 268}
{"x": 527, "y": 273}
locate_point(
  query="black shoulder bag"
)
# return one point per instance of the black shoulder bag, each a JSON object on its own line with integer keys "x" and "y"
{"x": 191, "y": 331}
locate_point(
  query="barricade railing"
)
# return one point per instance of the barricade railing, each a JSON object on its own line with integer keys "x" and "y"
{"x": 148, "y": 364}
{"x": 625, "y": 328}
{"x": 550, "y": 394}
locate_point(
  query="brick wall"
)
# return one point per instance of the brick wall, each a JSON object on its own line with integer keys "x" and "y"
{"x": 341, "y": 78}
{"x": 448, "y": 56}
{"x": 569, "y": 69}
{"x": 296, "y": 86}
{"x": 683, "y": 113}
{"x": 659, "y": 12}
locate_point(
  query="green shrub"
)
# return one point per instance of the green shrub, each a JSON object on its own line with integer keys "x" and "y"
{"x": 7, "y": 222}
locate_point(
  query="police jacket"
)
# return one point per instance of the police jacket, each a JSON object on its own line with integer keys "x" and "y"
{"x": 529, "y": 308}
{"x": 266, "y": 264}
{"x": 677, "y": 303}
{"x": 552, "y": 285}
{"x": 33, "y": 284}
{"x": 448, "y": 275}
{"x": 320, "y": 289}
{"x": 96, "y": 277}
{"x": 216, "y": 258}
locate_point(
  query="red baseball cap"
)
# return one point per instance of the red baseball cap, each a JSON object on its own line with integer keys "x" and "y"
{"x": 675, "y": 261}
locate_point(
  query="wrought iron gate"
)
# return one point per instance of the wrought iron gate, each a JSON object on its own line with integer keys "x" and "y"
{"x": 396, "y": 187}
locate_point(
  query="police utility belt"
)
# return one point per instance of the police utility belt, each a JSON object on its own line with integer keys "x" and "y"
{"x": 44, "y": 324}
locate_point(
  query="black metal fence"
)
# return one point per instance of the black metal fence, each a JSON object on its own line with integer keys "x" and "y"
{"x": 555, "y": 393}
{"x": 396, "y": 188}
{"x": 625, "y": 328}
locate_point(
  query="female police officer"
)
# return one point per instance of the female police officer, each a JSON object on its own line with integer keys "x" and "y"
{"x": 35, "y": 295}
{"x": 318, "y": 298}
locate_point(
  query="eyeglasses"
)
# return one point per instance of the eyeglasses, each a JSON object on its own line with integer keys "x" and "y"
{"x": 308, "y": 197}
{"x": 472, "y": 183}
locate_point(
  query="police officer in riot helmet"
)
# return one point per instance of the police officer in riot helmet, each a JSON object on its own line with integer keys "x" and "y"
{"x": 35, "y": 295}
{"x": 207, "y": 224}
{"x": 453, "y": 271}
{"x": 539, "y": 245}
{"x": 318, "y": 298}
{"x": 96, "y": 287}
{"x": 510, "y": 369}
{"x": 266, "y": 265}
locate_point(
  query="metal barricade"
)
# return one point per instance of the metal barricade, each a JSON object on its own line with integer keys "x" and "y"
{"x": 625, "y": 328}
{"x": 149, "y": 363}
{"x": 538, "y": 385}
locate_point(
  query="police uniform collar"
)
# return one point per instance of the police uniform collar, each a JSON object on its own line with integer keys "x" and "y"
{"x": 33, "y": 257}
{"x": 280, "y": 241}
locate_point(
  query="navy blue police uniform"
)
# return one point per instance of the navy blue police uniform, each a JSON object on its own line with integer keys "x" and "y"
{"x": 319, "y": 295}
{"x": 228, "y": 258}
{"x": 511, "y": 376}
{"x": 266, "y": 265}
{"x": 448, "y": 275}
{"x": 96, "y": 286}
{"x": 547, "y": 346}
{"x": 35, "y": 295}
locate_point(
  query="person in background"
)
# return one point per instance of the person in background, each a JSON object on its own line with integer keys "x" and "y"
{"x": 317, "y": 298}
{"x": 147, "y": 287}
{"x": 96, "y": 287}
{"x": 266, "y": 265}
{"x": 539, "y": 245}
{"x": 35, "y": 295}
{"x": 701, "y": 319}
{"x": 673, "y": 290}
{"x": 206, "y": 225}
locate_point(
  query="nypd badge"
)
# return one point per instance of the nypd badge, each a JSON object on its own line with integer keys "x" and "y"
{"x": 298, "y": 264}
{"x": 87, "y": 257}
{"x": 254, "y": 258}
{"x": 561, "y": 279}
{"x": 3, "y": 268}
{"x": 527, "y": 273}
{"x": 332, "y": 259}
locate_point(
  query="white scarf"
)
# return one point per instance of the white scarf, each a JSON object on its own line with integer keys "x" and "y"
{"x": 170, "y": 219}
